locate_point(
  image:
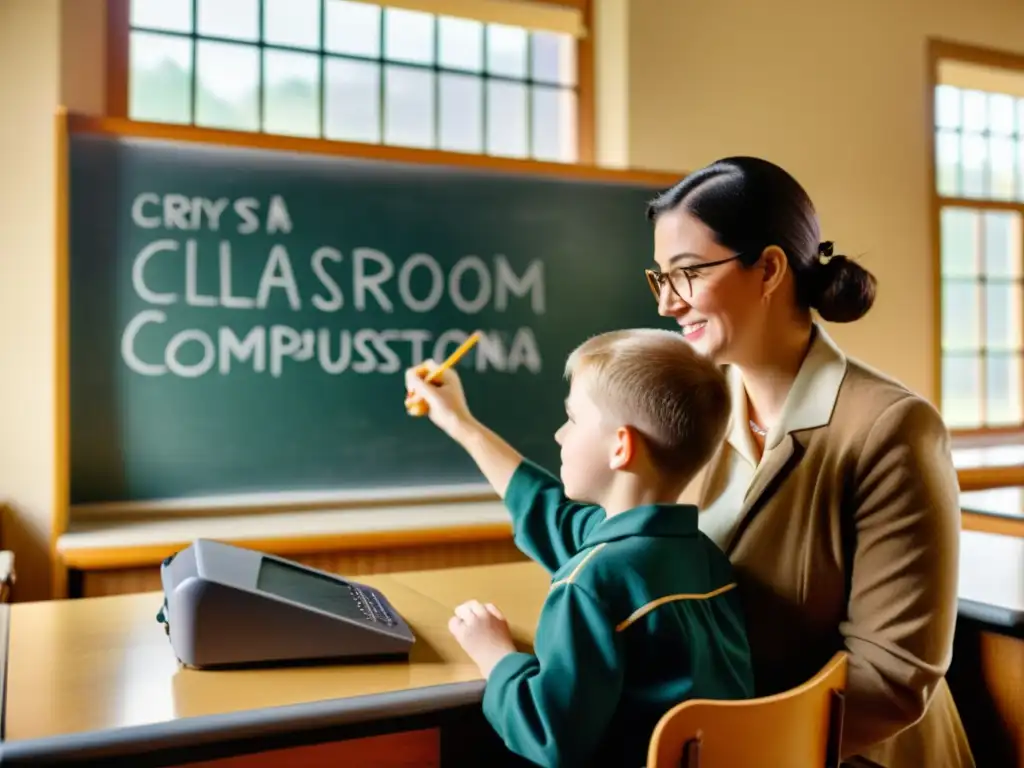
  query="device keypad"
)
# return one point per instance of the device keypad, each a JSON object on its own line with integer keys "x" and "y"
{"x": 371, "y": 607}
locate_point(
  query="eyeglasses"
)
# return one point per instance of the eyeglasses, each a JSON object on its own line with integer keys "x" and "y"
{"x": 680, "y": 280}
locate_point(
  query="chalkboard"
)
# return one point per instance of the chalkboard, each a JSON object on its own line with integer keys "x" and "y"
{"x": 240, "y": 319}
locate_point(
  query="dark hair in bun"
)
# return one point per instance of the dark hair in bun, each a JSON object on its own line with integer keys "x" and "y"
{"x": 842, "y": 291}
{"x": 750, "y": 204}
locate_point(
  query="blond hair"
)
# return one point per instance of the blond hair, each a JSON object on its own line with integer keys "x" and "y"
{"x": 653, "y": 381}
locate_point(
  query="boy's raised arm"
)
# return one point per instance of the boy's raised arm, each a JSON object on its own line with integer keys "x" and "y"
{"x": 547, "y": 526}
{"x": 496, "y": 459}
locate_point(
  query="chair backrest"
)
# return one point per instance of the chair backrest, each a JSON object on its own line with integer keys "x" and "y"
{"x": 798, "y": 728}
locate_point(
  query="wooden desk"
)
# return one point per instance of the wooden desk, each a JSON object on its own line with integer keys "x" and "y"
{"x": 517, "y": 589}
{"x": 992, "y": 581}
{"x": 995, "y": 510}
{"x": 989, "y": 461}
{"x": 96, "y": 678}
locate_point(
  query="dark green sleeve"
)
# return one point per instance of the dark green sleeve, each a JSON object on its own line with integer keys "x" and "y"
{"x": 547, "y": 525}
{"x": 553, "y": 708}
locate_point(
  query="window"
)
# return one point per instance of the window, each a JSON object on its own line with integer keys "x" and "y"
{"x": 979, "y": 172}
{"x": 355, "y": 71}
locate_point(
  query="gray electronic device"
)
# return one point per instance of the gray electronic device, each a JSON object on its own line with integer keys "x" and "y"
{"x": 230, "y": 606}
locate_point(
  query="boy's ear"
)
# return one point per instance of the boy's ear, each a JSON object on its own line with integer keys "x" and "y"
{"x": 623, "y": 448}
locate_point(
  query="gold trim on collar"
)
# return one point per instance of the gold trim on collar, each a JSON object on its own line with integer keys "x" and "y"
{"x": 579, "y": 566}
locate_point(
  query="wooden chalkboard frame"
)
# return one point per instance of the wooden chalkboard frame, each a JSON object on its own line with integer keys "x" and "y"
{"x": 70, "y": 123}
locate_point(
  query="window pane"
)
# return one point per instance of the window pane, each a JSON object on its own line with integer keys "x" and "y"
{"x": 1002, "y": 246}
{"x": 554, "y": 124}
{"x": 959, "y": 241}
{"x": 1001, "y": 114}
{"x": 961, "y": 395}
{"x": 292, "y": 22}
{"x": 947, "y": 160}
{"x": 947, "y": 106}
{"x": 960, "y": 314}
{"x": 506, "y": 51}
{"x": 460, "y": 44}
{"x": 408, "y": 36}
{"x": 160, "y": 80}
{"x": 975, "y": 111}
{"x": 352, "y": 100}
{"x": 1002, "y": 315}
{"x": 506, "y": 119}
{"x": 1001, "y": 163}
{"x": 462, "y": 112}
{"x": 974, "y": 161}
{"x": 1020, "y": 169}
{"x": 173, "y": 15}
{"x": 1003, "y": 390}
{"x": 228, "y": 82}
{"x": 292, "y": 95}
{"x": 408, "y": 107}
{"x": 553, "y": 58}
{"x": 353, "y": 28}
{"x": 239, "y": 19}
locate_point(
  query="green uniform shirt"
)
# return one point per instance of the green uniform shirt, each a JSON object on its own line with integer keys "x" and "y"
{"x": 642, "y": 614}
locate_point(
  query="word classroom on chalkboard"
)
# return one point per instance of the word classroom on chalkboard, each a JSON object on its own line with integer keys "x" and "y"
{"x": 240, "y": 319}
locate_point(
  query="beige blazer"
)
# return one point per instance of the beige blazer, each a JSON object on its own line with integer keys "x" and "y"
{"x": 846, "y": 536}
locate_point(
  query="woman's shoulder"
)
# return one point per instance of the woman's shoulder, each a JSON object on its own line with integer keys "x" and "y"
{"x": 874, "y": 403}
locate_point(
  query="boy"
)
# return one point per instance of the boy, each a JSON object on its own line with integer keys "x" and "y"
{"x": 643, "y": 612}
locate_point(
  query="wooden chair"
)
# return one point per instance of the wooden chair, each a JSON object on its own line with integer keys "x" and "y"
{"x": 799, "y": 728}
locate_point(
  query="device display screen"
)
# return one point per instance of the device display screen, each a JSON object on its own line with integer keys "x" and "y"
{"x": 312, "y": 589}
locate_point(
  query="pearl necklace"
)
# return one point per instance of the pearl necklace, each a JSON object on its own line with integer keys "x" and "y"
{"x": 760, "y": 431}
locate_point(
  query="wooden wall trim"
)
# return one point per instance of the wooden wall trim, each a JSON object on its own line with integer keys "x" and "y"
{"x": 935, "y": 221}
{"x": 580, "y": 5}
{"x": 353, "y": 564}
{"x": 109, "y": 558}
{"x": 61, "y": 350}
{"x": 121, "y": 127}
{"x": 978, "y": 521}
{"x": 982, "y": 478}
{"x": 586, "y": 90}
{"x": 941, "y": 48}
{"x": 118, "y": 64}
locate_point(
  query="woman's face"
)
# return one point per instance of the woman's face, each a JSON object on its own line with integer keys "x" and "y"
{"x": 718, "y": 307}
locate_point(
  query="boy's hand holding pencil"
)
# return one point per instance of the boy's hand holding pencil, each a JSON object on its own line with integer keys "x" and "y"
{"x": 435, "y": 390}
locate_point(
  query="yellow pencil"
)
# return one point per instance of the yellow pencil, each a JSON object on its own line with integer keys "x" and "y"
{"x": 417, "y": 407}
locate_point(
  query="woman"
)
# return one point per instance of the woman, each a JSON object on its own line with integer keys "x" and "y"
{"x": 834, "y": 493}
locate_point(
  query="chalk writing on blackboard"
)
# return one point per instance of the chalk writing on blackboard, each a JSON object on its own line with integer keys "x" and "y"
{"x": 377, "y": 282}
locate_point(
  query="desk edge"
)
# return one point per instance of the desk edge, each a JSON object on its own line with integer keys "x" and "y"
{"x": 250, "y": 724}
{"x": 997, "y": 618}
